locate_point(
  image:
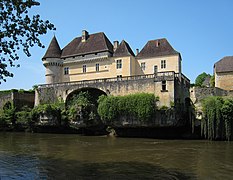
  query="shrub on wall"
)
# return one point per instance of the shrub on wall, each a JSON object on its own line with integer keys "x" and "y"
{"x": 139, "y": 106}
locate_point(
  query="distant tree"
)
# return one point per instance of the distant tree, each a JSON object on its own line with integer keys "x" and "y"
{"x": 200, "y": 79}
{"x": 18, "y": 31}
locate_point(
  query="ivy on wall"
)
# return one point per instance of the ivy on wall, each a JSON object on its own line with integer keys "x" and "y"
{"x": 139, "y": 106}
{"x": 218, "y": 120}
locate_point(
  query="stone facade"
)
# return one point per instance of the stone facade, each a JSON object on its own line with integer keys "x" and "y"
{"x": 224, "y": 80}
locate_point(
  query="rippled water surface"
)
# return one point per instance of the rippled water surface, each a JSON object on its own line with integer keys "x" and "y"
{"x": 61, "y": 156}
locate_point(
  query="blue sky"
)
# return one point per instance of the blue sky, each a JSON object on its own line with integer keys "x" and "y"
{"x": 201, "y": 30}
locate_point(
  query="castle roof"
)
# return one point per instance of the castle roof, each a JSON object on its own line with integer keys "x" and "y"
{"x": 94, "y": 43}
{"x": 224, "y": 65}
{"x": 123, "y": 50}
{"x": 154, "y": 48}
{"x": 54, "y": 50}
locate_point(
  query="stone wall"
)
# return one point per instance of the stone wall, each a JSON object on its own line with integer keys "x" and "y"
{"x": 126, "y": 85}
{"x": 19, "y": 99}
{"x": 199, "y": 93}
{"x": 5, "y": 97}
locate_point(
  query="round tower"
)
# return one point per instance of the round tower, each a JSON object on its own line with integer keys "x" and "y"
{"x": 53, "y": 62}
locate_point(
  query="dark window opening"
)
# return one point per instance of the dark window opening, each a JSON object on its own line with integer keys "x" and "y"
{"x": 66, "y": 70}
{"x": 97, "y": 67}
{"x": 155, "y": 69}
{"x": 164, "y": 86}
{"x": 119, "y": 64}
{"x": 163, "y": 64}
{"x": 119, "y": 77}
{"x": 84, "y": 68}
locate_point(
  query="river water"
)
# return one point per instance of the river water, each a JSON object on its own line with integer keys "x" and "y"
{"x": 63, "y": 156}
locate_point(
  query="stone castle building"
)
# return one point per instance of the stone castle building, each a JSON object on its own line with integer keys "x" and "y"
{"x": 93, "y": 57}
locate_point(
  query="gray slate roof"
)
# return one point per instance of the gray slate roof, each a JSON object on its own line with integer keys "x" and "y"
{"x": 224, "y": 65}
{"x": 154, "y": 48}
{"x": 123, "y": 50}
{"x": 54, "y": 50}
{"x": 95, "y": 43}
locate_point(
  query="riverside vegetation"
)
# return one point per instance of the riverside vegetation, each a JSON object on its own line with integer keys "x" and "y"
{"x": 217, "y": 123}
{"x": 82, "y": 109}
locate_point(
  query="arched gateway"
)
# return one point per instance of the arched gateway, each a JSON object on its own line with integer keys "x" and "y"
{"x": 93, "y": 92}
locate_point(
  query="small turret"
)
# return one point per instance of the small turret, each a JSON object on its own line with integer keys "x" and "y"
{"x": 53, "y": 63}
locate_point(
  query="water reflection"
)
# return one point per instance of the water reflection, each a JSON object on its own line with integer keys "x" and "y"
{"x": 54, "y": 156}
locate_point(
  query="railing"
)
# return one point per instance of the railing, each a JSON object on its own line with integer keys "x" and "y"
{"x": 158, "y": 75}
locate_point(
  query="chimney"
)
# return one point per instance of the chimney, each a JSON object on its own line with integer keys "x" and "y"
{"x": 84, "y": 35}
{"x": 115, "y": 45}
{"x": 137, "y": 52}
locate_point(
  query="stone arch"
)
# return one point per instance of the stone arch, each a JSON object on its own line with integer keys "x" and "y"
{"x": 94, "y": 92}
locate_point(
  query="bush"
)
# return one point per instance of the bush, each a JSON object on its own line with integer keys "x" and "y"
{"x": 82, "y": 109}
{"x": 24, "y": 116}
{"x": 139, "y": 106}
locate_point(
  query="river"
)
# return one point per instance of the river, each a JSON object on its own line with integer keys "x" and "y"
{"x": 65, "y": 156}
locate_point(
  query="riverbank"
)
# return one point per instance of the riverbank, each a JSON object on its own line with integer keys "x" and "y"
{"x": 126, "y": 132}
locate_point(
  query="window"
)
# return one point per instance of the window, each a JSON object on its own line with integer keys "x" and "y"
{"x": 163, "y": 64}
{"x": 97, "y": 67}
{"x": 66, "y": 70}
{"x": 84, "y": 68}
{"x": 164, "y": 88}
{"x": 119, "y": 64}
{"x": 143, "y": 66}
{"x": 119, "y": 77}
{"x": 155, "y": 69}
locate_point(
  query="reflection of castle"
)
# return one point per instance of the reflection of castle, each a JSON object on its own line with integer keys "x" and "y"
{"x": 92, "y": 56}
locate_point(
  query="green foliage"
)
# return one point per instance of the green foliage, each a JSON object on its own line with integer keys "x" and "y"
{"x": 164, "y": 108}
{"x": 136, "y": 106}
{"x": 81, "y": 108}
{"x": 227, "y": 113}
{"x": 8, "y": 114}
{"x": 20, "y": 30}
{"x": 200, "y": 79}
{"x": 218, "y": 119}
{"x": 48, "y": 109}
{"x": 24, "y": 116}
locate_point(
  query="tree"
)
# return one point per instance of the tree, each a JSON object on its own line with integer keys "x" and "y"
{"x": 18, "y": 31}
{"x": 200, "y": 79}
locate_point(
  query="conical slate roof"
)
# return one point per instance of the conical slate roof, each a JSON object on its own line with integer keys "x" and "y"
{"x": 123, "y": 50}
{"x": 54, "y": 50}
{"x": 154, "y": 48}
